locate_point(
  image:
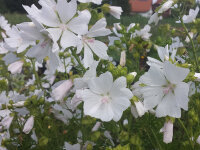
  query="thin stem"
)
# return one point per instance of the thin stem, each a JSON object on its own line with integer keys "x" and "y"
{"x": 38, "y": 82}
{"x": 193, "y": 47}
{"x": 183, "y": 126}
{"x": 82, "y": 128}
{"x": 36, "y": 75}
{"x": 160, "y": 147}
{"x": 78, "y": 60}
{"x": 65, "y": 68}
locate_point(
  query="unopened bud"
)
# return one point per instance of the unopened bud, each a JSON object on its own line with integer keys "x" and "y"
{"x": 123, "y": 59}
{"x": 168, "y": 132}
{"x": 28, "y": 125}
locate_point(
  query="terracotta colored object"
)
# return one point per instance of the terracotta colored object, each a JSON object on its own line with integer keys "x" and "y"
{"x": 140, "y": 5}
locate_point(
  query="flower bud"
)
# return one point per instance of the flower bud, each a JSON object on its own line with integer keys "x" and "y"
{"x": 123, "y": 59}
{"x": 115, "y": 11}
{"x": 43, "y": 141}
{"x": 16, "y": 67}
{"x": 130, "y": 77}
{"x": 124, "y": 136}
{"x": 6, "y": 122}
{"x": 95, "y": 136}
{"x": 96, "y": 126}
{"x": 168, "y": 132}
{"x": 60, "y": 92}
{"x": 105, "y": 8}
{"x": 28, "y": 125}
{"x": 19, "y": 104}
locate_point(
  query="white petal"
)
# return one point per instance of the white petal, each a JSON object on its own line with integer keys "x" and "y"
{"x": 55, "y": 33}
{"x": 79, "y": 24}
{"x": 99, "y": 29}
{"x": 39, "y": 51}
{"x": 168, "y": 107}
{"x": 66, "y": 10}
{"x": 134, "y": 112}
{"x": 101, "y": 84}
{"x": 140, "y": 108}
{"x": 119, "y": 89}
{"x": 175, "y": 74}
{"x": 99, "y": 48}
{"x": 154, "y": 77}
{"x": 69, "y": 39}
{"x": 155, "y": 62}
{"x": 181, "y": 93}
{"x": 88, "y": 57}
{"x": 152, "y": 96}
{"x": 118, "y": 106}
{"x": 163, "y": 52}
{"x": 95, "y": 108}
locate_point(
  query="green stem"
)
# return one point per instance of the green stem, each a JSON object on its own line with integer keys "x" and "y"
{"x": 183, "y": 126}
{"x": 65, "y": 68}
{"x": 78, "y": 60}
{"x": 82, "y": 128}
{"x": 38, "y": 82}
{"x": 157, "y": 141}
{"x": 193, "y": 47}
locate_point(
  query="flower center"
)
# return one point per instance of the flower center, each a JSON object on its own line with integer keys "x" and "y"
{"x": 105, "y": 99}
{"x": 44, "y": 44}
{"x": 63, "y": 27}
{"x": 168, "y": 88}
{"x": 87, "y": 39}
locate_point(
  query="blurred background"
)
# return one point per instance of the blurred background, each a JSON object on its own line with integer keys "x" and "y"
{"x": 15, "y": 6}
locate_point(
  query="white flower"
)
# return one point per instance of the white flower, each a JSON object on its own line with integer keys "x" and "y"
{"x": 198, "y": 139}
{"x": 6, "y": 122}
{"x": 123, "y": 58}
{"x": 164, "y": 88}
{"x": 163, "y": 53}
{"x": 28, "y": 125}
{"x": 191, "y": 17}
{"x": 187, "y": 40}
{"x": 16, "y": 67}
{"x": 143, "y": 33}
{"x": 168, "y": 132}
{"x": 81, "y": 83}
{"x": 68, "y": 146}
{"x": 4, "y": 23}
{"x": 93, "y": 1}
{"x": 66, "y": 26}
{"x": 17, "y": 40}
{"x": 116, "y": 11}
{"x": 106, "y": 100}
{"x": 154, "y": 18}
{"x": 61, "y": 90}
{"x": 167, "y": 5}
{"x": 89, "y": 43}
{"x": 45, "y": 47}
{"x": 62, "y": 113}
